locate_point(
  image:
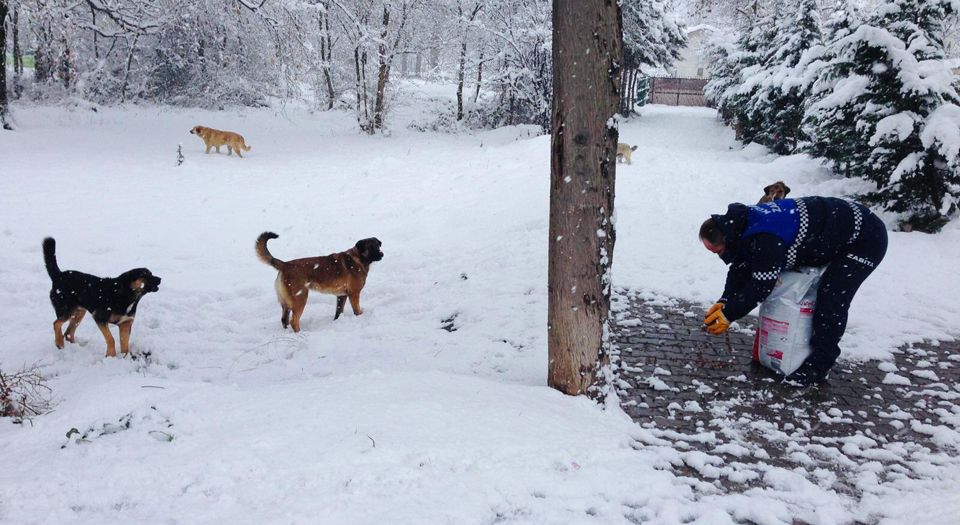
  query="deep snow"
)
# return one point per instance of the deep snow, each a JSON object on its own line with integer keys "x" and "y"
{"x": 385, "y": 417}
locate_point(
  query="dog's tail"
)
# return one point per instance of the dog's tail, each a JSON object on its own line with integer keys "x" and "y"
{"x": 50, "y": 257}
{"x": 634, "y": 148}
{"x": 244, "y": 146}
{"x": 264, "y": 254}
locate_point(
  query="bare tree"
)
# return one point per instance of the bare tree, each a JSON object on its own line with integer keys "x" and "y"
{"x": 4, "y": 100}
{"x": 326, "y": 51}
{"x": 464, "y": 19}
{"x": 587, "y": 49}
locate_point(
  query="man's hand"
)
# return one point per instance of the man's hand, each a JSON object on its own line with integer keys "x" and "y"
{"x": 715, "y": 320}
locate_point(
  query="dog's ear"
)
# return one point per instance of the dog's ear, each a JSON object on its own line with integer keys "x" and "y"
{"x": 137, "y": 279}
{"x": 766, "y": 190}
{"x": 786, "y": 189}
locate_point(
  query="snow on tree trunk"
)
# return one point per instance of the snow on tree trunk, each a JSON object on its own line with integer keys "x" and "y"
{"x": 587, "y": 49}
{"x": 4, "y": 100}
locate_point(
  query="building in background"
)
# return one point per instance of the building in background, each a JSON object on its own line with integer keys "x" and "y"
{"x": 693, "y": 59}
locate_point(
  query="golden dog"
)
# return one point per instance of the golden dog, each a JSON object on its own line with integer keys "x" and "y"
{"x": 214, "y": 138}
{"x": 342, "y": 274}
{"x": 624, "y": 151}
{"x": 774, "y": 192}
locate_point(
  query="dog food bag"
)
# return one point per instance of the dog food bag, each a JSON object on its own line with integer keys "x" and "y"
{"x": 782, "y": 342}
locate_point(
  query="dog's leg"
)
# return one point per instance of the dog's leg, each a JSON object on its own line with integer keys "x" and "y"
{"x": 341, "y": 301}
{"x": 238, "y": 152}
{"x": 58, "y": 332}
{"x": 230, "y": 150}
{"x": 285, "y": 316}
{"x": 355, "y": 302}
{"x": 218, "y": 149}
{"x": 626, "y": 157}
{"x": 108, "y": 337}
{"x": 208, "y": 149}
{"x": 75, "y": 319}
{"x": 299, "y": 301}
{"x": 125, "y": 328}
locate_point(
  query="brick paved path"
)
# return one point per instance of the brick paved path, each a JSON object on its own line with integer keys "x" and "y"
{"x": 871, "y": 423}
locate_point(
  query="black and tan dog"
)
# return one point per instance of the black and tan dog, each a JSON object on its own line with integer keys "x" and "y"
{"x": 774, "y": 192}
{"x": 342, "y": 274}
{"x": 108, "y": 300}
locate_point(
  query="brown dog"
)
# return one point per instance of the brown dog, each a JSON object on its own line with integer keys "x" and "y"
{"x": 342, "y": 274}
{"x": 774, "y": 192}
{"x": 624, "y": 151}
{"x": 214, "y": 138}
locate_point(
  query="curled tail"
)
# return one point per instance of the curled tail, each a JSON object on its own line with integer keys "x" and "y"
{"x": 245, "y": 147}
{"x": 263, "y": 253}
{"x": 50, "y": 257}
{"x": 634, "y": 148}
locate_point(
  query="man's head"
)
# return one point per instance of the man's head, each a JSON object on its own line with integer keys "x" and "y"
{"x": 712, "y": 238}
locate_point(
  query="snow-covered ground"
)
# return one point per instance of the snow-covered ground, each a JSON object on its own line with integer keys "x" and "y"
{"x": 386, "y": 417}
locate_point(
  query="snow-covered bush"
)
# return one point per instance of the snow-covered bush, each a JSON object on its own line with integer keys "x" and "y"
{"x": 24, "y": 394}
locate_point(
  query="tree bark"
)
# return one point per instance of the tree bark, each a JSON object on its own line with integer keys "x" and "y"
{"x": 382, "y": 71}
{"x": 326, "y": 53}
{"x": 476, "y": 93}
{"x": 17, "y": 52}
{"x": 4, "y": 100}
{"x": 461, "y": 70}
{"x": 587, "y": 51}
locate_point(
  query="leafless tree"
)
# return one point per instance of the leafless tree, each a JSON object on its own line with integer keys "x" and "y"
{"x": 4, "y": 99}
{"x": 587, "y": 51}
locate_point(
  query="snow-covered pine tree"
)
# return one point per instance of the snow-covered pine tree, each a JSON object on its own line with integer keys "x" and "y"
{"x": 892, "y": 116}
{"x": 913, "y": 130}
{"x": 652, "y": 37}
{"x": 829, "y": 127}
{"x": 754, "y": 47}
{"x": 724, "y": 77}
{"x": 778, "y": 102}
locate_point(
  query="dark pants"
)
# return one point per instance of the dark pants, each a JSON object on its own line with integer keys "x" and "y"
{"x": 839, "y": 283}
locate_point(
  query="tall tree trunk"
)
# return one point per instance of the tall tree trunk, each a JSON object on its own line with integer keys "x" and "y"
{"x": 4, "y": 101}
{"x": 587, "y": 48}
{"x": 17, "y": 52}
{"x": 461, "y": 70}
{"x": 326, "y": 53}
{"x": 360, "y": 64}
{"x": 476, "y": 93}
{"x": 383, "y": 72}
{"x": 93, "y": 18}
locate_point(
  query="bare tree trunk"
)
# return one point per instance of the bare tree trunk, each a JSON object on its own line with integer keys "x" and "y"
{"x": 17, "y": 52}
{"x": 326, "y": 53}
{"x": 361, "y": 88}
{"x": 587, "y": 48}
{"x": 383, "y": 71}
{"x": 461, "y": 71}
{"x": 386, "y": 57}
{"x": 4, "y": 101}
{"x": 476, "y": 93}
{"x": 93, "y": 17}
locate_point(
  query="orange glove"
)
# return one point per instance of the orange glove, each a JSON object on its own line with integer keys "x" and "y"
{"x": 715, "y": 320}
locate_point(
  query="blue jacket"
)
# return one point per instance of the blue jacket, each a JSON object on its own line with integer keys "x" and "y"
{"x": 763, "y": 240}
